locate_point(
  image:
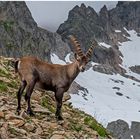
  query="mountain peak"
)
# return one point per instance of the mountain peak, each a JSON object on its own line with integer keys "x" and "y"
{"x": 104, "y": 8}
{"x": 104, "y": 11}
{"x": 83, "y": 6}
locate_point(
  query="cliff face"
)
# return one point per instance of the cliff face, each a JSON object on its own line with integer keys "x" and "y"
{"x": 107, "y": 26}
{"x": 126, "y": 14}
{"x": 19, "y": 34}
{"x": 86, "y": 24}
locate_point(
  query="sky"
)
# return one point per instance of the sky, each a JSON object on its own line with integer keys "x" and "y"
{"x": 50, "y": 14}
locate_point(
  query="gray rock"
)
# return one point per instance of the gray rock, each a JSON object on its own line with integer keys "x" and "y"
{"x": 119, "y": 129}
{"x": 135, "y": 69}
{"x": 135, "y": 129}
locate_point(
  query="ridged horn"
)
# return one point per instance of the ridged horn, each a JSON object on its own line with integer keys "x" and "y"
{"x": 90, "y": 50}
{"x": 77, "y": 46}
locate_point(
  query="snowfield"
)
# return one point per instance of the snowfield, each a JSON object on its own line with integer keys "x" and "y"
{"x": 110, "y": 97}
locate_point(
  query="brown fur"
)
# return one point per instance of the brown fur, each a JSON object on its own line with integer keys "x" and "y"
{"x": 50, "y": 75}
{"x": 35, "y": 73}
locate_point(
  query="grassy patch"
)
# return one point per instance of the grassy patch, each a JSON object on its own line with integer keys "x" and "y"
{"x": 12, "y": 84}
{"x": 3, "y": 86}
{"x": 95, "y": 126}
{"x": 4, "y": 73}
{"x": 46, "y": 103}
{"x": 76, "y": 127}
{"x": 13, "y": 131}
{"x": 29, "y": 120}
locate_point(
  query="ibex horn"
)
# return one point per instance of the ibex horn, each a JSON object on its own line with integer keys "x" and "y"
{"x": 77, "y": 46}
{"x": 90, "y": 50}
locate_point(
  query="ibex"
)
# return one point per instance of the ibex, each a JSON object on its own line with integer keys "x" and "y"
{"x": 54, "y": 77}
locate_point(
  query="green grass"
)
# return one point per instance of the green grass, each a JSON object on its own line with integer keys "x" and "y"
{"x": 76, "y": 127}
{"x": 4, "y": 73}
{"x": 46, "y": 103}
{"x": 3, "y": 86}
{"x": 13, "y": 131}
{"x": 95, "y": 126}
{"x": 29, "y": 120}
{"x": 12, "y": 84}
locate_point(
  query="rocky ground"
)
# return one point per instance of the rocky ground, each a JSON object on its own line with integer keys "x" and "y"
{"x": 76, "y": 124}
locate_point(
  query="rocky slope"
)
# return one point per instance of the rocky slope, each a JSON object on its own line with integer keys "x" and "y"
{"x": 20, "y": 35}
{"x": 76, "y": 124}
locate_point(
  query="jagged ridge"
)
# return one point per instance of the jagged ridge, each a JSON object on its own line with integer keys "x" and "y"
{"x": 106, "y": 26}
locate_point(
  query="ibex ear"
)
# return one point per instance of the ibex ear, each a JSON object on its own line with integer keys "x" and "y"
{"x": 75, "y": 55}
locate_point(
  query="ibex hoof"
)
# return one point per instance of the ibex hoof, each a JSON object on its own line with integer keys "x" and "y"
{"x": 59, "y": 118}
{"x": 30, "y": 112}
{"x": 18, "y": 110}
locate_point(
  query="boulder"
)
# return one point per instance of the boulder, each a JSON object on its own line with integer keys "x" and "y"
{"x": 119, "y": 129}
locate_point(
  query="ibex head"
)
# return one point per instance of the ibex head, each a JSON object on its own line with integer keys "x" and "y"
{"x": 81, "y": 58}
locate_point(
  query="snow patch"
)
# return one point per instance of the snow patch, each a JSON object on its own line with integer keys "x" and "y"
{"x": 118, "y": 31}
{"x": 55, "y": 59}
{"x": 104, "y": 44}
{"x": 67, "y": 58}
{"x": 131, "y": 52}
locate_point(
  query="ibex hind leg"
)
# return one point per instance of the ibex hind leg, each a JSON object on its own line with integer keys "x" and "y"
{"x": 59, "y": 96}
{"x": 19, "y": 94}
{"x": 28, "y": 96}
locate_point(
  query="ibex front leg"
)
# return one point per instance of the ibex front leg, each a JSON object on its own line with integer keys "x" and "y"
{"x": 59, "y": 96}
